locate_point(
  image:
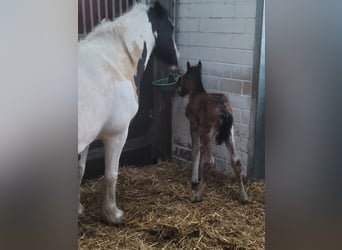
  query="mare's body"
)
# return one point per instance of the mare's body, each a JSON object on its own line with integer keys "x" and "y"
{"x": 111, "y": 61}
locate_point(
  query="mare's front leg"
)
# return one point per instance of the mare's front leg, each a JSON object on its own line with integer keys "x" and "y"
{"x": 113, "y": 147}
{"x": 207, "y": 161}
{"x": 237, "y": 167}
{"x": 195, "y": 154}
{"x": 81, "y": 167}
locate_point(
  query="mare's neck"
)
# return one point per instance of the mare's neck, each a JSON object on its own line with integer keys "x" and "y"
{"x": 136, "y": 31}
{"x": 131, "y": 32}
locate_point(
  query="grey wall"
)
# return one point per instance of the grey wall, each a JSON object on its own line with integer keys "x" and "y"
{"x": 220, "y": 33}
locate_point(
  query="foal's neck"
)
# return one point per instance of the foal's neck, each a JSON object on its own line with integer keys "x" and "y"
{"x": 197, "y": 88}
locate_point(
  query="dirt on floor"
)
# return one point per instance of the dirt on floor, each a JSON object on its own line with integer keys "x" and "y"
{"x": 159, "y": 214}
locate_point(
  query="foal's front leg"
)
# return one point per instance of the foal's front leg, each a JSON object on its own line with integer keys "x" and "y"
{"x": 195, "y": 155}
{"x": 113, "y": 148}
{"x": 236, "y": 164}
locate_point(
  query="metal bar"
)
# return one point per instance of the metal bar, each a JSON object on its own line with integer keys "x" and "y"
{"x": 98, "y": 11}
{"x": 106, "y": 9}
{"x": 175, "y": 18}
{"x": 120, "y": 6}
{"x": 259, "y": 140}
{"x": 113, "y": 6}
{"x": 91, "y": 14}
{"x": 126, "y": 5}
{"x": 252, "y": 148}
{"x": 84, "y": 18}
{"x": 174, "y": 5}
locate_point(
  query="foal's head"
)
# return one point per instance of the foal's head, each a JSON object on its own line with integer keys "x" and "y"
{"x": 191, "y": 81}
{"x": 162, "y": 28}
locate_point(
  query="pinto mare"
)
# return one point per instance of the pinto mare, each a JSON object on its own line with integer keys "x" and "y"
{"x": 111, "y": 61}
{"x": 210, "y": 116}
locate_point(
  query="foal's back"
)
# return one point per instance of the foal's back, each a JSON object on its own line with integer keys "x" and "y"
{"x": 205, "y": 109}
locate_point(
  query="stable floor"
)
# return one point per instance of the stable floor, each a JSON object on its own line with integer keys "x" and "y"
{"x": 159, "y": 214}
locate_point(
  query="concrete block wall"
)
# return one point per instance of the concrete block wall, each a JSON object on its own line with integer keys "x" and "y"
{"x": 220, "y": 33}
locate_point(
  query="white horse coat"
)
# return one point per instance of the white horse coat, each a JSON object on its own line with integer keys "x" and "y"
{"x": 107, "y": 96}
{"x": 108, "y": 61}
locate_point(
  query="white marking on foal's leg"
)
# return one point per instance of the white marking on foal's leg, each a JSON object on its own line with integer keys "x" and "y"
{"x": 206, "y": 163}
{"x": 113, "y": 148}
{"x": 81, "y": 167}
{"x": 236, "y": 164}
{"x": 195, "y": 156}
{"x": 195, "y": 166}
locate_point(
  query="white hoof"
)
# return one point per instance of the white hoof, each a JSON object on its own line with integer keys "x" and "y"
{"x": 243, "y": 198}
{"x": 80, "y": 210}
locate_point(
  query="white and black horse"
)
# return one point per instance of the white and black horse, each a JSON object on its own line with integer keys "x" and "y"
{"x": 111, "y": 61}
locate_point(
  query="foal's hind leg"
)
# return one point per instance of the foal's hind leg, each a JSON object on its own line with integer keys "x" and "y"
{"x": 195, "y": 155}
{"x": 113, "y": 148}
{"x": 207, "y": 160}
{"x": 81, "y": 167}
{"x": 236, "y": 164}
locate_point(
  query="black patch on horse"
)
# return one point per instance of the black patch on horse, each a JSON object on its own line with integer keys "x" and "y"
{"x": 140, "y": 68}
{"x": 164, "y": 48}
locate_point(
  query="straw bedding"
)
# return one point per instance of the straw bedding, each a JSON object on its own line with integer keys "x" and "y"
{"x": 159, "y": 214}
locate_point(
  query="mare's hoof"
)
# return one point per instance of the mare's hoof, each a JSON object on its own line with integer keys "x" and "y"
{"x": 113, "y": 217}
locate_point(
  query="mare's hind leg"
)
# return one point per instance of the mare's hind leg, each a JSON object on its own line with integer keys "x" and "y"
{"x": 113, "y": 147}
{"x": 236, "y": 164}
{"x": 81, "y": 167}
{"x": 207, "y": 160}
{"x": 195, "y": 155}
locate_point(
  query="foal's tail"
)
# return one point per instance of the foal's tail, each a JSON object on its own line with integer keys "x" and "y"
{"x": 226, "y": 125}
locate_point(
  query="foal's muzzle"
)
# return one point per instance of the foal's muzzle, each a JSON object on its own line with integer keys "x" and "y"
{"x": 180, "y": 90}
{"x": 174, "y": 69}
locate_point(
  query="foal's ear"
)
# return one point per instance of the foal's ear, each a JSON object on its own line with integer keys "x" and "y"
{"x": 188, "y": 65}
{"x": 199, "y": 66}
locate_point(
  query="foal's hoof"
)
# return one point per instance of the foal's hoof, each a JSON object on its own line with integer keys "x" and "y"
{"x": 81, "y": 212}
{"x": 243, "y": 198}
{"x": 113, "y": 217}
{"x": 194, "y": 185}
{"x": 196, "y": 198}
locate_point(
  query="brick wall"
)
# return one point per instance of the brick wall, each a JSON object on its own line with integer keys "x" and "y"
{"x": 220, "y": 33}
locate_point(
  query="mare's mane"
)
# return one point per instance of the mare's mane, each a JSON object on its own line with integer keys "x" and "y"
{"x": 107, "y": 26}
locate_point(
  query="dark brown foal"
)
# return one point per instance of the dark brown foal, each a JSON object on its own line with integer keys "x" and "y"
{"x": 210, "y": 116}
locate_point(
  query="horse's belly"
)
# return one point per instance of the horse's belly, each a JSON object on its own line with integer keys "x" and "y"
{"x": 94, "y": 106}
{"x": 104, "y": 111}
{"x": 124, "y": 108}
